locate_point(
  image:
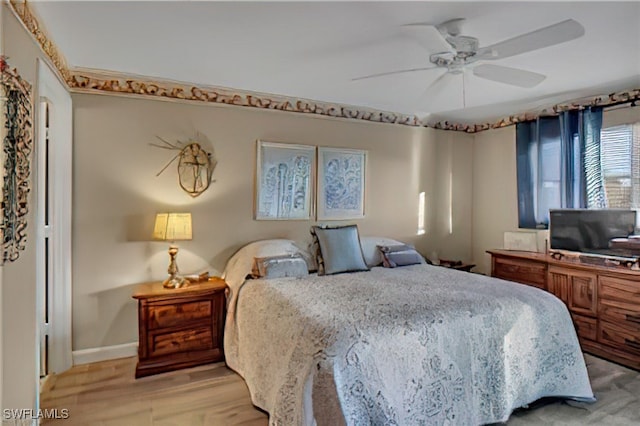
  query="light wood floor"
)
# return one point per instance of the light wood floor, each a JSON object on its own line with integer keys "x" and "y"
{"x": 106, "y": 393}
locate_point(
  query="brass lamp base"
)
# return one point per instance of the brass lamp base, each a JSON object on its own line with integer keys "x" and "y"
{"x": 175, "y": 282}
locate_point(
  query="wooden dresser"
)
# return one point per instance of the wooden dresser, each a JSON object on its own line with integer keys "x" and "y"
{"x": 604, "y": 301}
{"x": 180, "y": 328}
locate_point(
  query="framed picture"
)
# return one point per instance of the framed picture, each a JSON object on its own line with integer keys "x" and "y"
{"x": 341, "y": 183}
{"x": 284, "y": 181}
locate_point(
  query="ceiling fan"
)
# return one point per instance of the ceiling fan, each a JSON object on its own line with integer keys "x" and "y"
{"x": 455, "y": 52}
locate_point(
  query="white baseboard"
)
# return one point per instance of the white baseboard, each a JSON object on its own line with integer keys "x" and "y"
{"x": 86, "y": 356}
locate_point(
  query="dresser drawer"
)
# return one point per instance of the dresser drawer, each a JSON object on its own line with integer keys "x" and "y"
{"x": 586, "y": 327}
{"x": 621, "y": 337}
{"x": 193, "y": 339}
{"x": 532, "y": 273}
{"x": 624, "y": 314}
{"x": 167, "y": 315}
{"x": 618, "y": 289}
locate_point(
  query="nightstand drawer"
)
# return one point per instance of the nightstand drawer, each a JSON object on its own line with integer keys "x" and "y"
{"x": 180, "y": 328}
{"x": 194, "y": 339}
{"x": 168, "y": 315}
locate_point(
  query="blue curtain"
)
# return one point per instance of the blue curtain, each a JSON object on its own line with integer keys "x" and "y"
{"x": 594, "y": 177}
{"x": 526, "y": 165}
{"x": 555, "y": 165}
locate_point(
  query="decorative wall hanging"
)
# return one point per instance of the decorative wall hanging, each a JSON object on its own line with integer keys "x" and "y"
{"x": 16, "y": 147}
{"x": 284, "y": 181}
{"x": 341, "y": 183}
{"x": 195, "y": 165}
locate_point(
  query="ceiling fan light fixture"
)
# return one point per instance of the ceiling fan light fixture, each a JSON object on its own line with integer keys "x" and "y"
{"x": 464, "y": 44}
{"x": 442, "y": 59}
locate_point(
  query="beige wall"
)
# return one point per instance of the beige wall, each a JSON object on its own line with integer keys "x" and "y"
{"x": 621, "y": 116}
{"x": 18, "y": 279}
{"x": 495, "y": 196}
{"x": 453, "y": 182}
{"x": 117, "y": 193}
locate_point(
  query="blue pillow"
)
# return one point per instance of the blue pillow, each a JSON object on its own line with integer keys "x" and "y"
{"x": 338, "y": 249}
{"x": 400, "y": 255}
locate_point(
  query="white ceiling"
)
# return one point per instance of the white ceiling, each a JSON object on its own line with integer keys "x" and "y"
{"x": 313, "y": 50}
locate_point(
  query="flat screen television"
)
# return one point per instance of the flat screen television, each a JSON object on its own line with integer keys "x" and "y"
{"x": 590, "y": 231}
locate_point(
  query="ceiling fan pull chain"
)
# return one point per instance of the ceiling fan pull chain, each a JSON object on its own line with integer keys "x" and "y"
{"x": 464, "y": 90}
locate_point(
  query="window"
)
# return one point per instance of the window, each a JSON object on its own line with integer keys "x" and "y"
{"x": 620, "y": 157}
{"x": 550, "y": 166}
{"x": 570, "y": 162}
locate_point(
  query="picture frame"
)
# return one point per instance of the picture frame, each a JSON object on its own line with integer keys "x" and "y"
{"x": 285, "y": 181}
{"x": 341, "y": 183}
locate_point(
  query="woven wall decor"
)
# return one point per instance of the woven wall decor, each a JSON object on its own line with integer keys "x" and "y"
{"x": 17, "y": 147}
{"x": 195, "y": 165}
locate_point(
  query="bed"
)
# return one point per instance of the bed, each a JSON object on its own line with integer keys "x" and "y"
{"x": 416, "y": 345}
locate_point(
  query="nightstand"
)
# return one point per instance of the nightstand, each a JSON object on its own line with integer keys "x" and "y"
{"x": 457, "y": 264}
{"x": 180, "y": 328}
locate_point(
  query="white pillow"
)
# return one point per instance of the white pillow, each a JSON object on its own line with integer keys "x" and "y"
{"x": 369, "y": 245}
{"x": 241, "y": 263}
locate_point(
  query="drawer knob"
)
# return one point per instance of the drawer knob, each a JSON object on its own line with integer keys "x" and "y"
{"x": 633, "y": 318}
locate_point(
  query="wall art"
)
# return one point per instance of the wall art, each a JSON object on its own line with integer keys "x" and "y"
{"x": 284, "y": 181}
{"x": 17, "y": 146}
{"x": 341, "y": 183}
{"x": 195, "y": 165}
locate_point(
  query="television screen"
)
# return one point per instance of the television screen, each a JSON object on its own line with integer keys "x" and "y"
{"x": 590, "y": 231}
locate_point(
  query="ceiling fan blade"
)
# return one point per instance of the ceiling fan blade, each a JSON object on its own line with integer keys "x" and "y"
{"x": 381, "y": 74}
{"x": 452, "y": 27}
{"x": 436, "y": 81}
{"x": 432, "y": 90}
{"x": 506, "y": 75}
{"x": 543, "y": 37}
{"x": 428, "y": 36}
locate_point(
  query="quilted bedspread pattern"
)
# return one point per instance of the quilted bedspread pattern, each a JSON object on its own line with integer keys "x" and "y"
{"x": 418, "y": 345}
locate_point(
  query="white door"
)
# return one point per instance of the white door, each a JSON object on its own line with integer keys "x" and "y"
{"x": 53, "y": 215}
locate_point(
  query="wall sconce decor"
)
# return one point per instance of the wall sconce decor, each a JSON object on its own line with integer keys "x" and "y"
{"x": 173, "y": 227}
{"x": 195, "y": 165}
{"x": 17, "y": 146}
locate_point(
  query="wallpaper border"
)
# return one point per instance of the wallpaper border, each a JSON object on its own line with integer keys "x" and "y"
{"x": 100, "y": 81}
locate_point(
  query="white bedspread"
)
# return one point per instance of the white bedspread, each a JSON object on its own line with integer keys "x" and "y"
{"x": 418, "y": 345}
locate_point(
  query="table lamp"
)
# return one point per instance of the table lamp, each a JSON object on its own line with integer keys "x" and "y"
{"x": 173, "y": 227}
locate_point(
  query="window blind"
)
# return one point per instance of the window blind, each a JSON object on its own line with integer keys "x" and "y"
{"x": 616, "y": 151}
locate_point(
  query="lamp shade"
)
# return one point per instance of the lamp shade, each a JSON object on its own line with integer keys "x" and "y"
{"x": 172, "y": 227}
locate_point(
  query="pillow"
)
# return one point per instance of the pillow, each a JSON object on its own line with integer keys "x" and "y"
{"x": 280, "y": 266}
{"x": 400, "y": 255}
{"x": 241, "y": 263}
{"x": 338, "y": 249}
{"x": 372, "y": 255}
